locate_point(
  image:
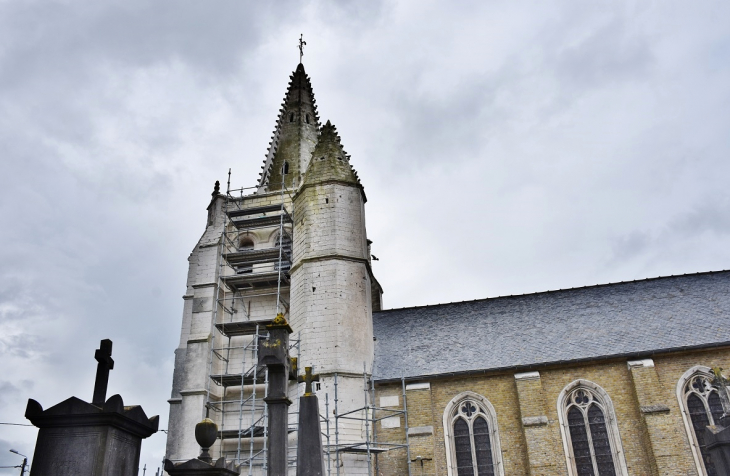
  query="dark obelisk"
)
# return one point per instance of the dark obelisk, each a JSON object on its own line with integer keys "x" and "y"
{"x": 274, "y": 353}
{"x": 102, "y": 438}
{"x": 309, "y": 448}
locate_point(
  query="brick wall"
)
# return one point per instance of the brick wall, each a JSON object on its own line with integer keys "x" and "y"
{"x": 643, "y": 393}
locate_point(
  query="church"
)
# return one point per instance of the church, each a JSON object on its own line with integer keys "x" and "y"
{"x": 613, "y": 379}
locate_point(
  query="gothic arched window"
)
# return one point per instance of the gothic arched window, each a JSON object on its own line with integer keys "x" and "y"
{"x": 471, "y": 436}
{"x": 590, "y": 434}
{"x": 701, "y": 407}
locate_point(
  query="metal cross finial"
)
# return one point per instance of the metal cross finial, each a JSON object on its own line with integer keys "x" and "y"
{"x": 308, "y": 379}
{"x": 103, "y": 355}
{"x": 301, "y": 46}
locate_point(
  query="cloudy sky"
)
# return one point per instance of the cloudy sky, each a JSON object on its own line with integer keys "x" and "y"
{"x": 505, "y": 147}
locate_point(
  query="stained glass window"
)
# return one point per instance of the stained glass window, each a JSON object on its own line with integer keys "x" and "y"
{"x": 472, "y": 437}
{"x": 703, "y": 405}
{"x": 591, "y": 440}
{"x": 482, "y": 447}
{"x": 462, "y": 446}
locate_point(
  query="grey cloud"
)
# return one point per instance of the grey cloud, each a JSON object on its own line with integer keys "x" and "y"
{"x": 709, "y": 216}
{"x": 631, "y": 245}
{"x": 712, "y": 215}
{"x": 73, "y": 37}
{"x": 608, "y": 54}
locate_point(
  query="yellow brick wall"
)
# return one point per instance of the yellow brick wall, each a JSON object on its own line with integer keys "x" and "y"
{"x": 654, "y": 439}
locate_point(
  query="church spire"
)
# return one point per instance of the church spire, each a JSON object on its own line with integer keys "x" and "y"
{"x": 294, "y": 138}
{"x": 330, "y": 162}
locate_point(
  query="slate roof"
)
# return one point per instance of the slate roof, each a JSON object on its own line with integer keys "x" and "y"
{"x": 623, "y": 319}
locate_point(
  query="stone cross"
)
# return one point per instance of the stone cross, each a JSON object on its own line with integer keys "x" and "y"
{"x": 308, "y": 379}
{"x": 301, "y": 46}
{"x": 103, "y": 355}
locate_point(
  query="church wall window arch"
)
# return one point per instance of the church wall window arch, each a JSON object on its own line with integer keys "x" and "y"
{"x": 701, "y": 406}
{"x": 589, "y": 430}
{"x": 471, "y": 436}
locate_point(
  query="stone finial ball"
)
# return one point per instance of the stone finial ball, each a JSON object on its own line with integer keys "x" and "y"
{"x": 206, "y": 432}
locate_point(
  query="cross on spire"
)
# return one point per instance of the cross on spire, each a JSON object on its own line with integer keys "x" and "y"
{"x": 308, "y": 379}
{"x": 103, "y": 355}
{"x": 301, "y": 46}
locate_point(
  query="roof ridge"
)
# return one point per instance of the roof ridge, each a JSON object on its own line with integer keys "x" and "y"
{"x": 590, "y": 286}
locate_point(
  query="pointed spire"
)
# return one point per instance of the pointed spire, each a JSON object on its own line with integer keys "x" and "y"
{"x": 329, "y": 161}
{"x": 294, "y": 137}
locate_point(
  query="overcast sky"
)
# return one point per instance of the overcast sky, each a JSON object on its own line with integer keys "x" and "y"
{"x": 505, "y": 147}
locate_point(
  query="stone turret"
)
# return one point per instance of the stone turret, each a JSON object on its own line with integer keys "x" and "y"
{"x": 330, "y": 268}
{"x": 332, "y": 281}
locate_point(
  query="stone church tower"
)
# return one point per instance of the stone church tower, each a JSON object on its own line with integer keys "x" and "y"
{"x": 294, "y": 244}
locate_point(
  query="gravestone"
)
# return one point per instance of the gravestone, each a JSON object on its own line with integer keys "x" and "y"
{"x": 101, "y": 438}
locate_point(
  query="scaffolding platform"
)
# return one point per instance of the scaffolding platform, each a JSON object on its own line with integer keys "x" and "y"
{"x": 243, "y": 328}
{"x": 261, "y": 222}
{"x": 248, "y": 281}
{"x": 242, "y": 212}
{"x": 235, "y": 380}
{"x": 364, "y": 447}
{"x": 251, "y": 257}
{"x": 244, "y": 433}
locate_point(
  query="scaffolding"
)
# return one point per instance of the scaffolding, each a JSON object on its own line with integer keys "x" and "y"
{"x": 237, "y": 384}
{"x": 369, "y": 414}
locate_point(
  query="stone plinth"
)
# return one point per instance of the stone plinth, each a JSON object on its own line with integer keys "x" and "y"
{"x": 78, "y": 438}
{"x": 274, "y": 354}
{"x": 197, "y": 467}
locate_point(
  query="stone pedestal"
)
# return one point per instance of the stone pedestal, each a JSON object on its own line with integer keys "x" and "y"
{"x": 102, "y": 438}
{"x": 197, "y": 467}
{"x": 274, "y": 354}
{"x": 76, "y": 438}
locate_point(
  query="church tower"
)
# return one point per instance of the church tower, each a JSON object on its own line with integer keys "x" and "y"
{"x": 295, "y": 244}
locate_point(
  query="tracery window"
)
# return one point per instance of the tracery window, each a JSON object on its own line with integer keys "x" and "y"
{"x": 590, "y": 434}
{"x": 472, "y": 437}
{"x": 701, "y": 407}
